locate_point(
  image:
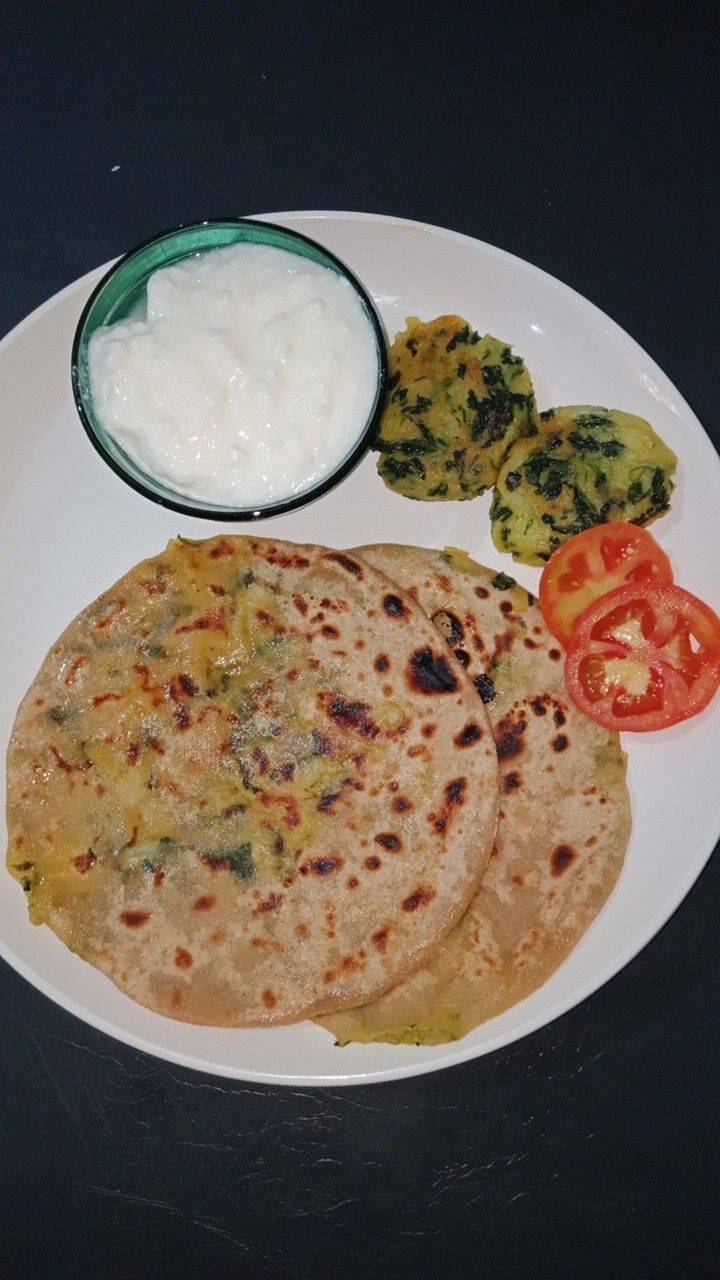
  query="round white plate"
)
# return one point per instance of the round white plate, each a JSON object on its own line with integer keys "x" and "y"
{"x": 69, "y": 528}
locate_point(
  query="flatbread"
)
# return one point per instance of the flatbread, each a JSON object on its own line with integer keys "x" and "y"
{"x": 250, "y": 785}
{"x": 564, "y": 818}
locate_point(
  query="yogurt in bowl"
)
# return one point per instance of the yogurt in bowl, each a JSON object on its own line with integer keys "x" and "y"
{"x": 231, "y": 380}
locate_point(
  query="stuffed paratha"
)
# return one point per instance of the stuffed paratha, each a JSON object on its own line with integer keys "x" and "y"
{"x": 564, "y": 815}
{"x": 250, "y": 784}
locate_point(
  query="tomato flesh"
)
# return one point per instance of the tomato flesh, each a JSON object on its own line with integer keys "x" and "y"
{"x": 644, "y": 657}
{"x": 593, "y": 563}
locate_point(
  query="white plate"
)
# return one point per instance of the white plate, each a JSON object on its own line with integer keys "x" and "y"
{"x": 69, "y": 528}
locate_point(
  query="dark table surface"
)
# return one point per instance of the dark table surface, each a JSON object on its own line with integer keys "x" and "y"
{"x": 582, "y": 138}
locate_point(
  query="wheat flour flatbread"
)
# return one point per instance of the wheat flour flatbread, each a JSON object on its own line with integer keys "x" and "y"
{"x": 250, "y": 784}
{"x": 564, "y": 817}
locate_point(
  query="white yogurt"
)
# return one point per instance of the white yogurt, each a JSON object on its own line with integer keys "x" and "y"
{"x": 252, "y": 375}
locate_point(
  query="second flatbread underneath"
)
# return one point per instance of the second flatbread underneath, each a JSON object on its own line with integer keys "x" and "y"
{"x": 564, "y": 817}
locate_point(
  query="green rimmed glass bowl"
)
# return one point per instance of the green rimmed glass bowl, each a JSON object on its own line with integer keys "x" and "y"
{"x": 122, "y": 290}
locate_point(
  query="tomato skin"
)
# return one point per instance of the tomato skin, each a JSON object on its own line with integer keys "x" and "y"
{"x": 592, "y": 563}
{"x": 644, "y": 657}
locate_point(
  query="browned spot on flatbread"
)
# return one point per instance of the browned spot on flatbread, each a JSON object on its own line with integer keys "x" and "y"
{"x": 268, "y": 620}
{"x": 401, "y": 804}
{"x": 372, "y": 862}
{"x": 222, "y": 548}
{"x": 67, "y": 766}
{"x": 209, "y": 622}
{"x": 380, "y": 939}
{"x": 106, "y": 697}
{"x": 388, "y": 840}
{"x": 511, "y": 781}
{"x": 419, "y": 898}
{"x": 71, "y": 676}
{"x": 394, "y": 607}
{"x": 468, "y": 736}
{"x": 265, "y": 944}
{"x": 455, "y": 791}
{"x": 134, "y": 919}
{"x": 183, "y": 958}
{"x": 504, "y": 642}
{"x": 269, "y": 998}
{"x": 321, "y": 866}
{"x": 117, "y": 607}
{"x": 563, "y": 855}
{"x": 429, "y": 672}
{"x": 205, "y": 902}
{"x": 560, "y": 743}
{"x": 271, "y": 903}
{"x": 453, "y": 798}
{"x": 509, "y": 737}
{"x": 284, "y": 559}
{"x": 347, "y": 563}
{"x": 349, "y": 715}
{"x": 382, "y": 662}
{"x": 485, "y": 686}
{"x": 83, "y": 862}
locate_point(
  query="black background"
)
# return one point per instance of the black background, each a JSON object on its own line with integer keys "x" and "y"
{"x": 585, "y": 139}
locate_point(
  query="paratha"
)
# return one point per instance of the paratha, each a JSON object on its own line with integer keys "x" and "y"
{"x": 564, "y": 816}
{"x": 250, "y": 784}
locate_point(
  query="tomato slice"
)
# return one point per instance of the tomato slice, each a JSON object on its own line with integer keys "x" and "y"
{"x": 644, "y": 657}
{"x": 592, "y": 563}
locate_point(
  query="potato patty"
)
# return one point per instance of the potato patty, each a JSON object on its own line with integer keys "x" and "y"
{"x": 589, "y": 465}
{"x": 456, "y": 403}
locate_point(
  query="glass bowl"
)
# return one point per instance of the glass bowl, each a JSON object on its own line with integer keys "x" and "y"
{"x": 123, "y": 288}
